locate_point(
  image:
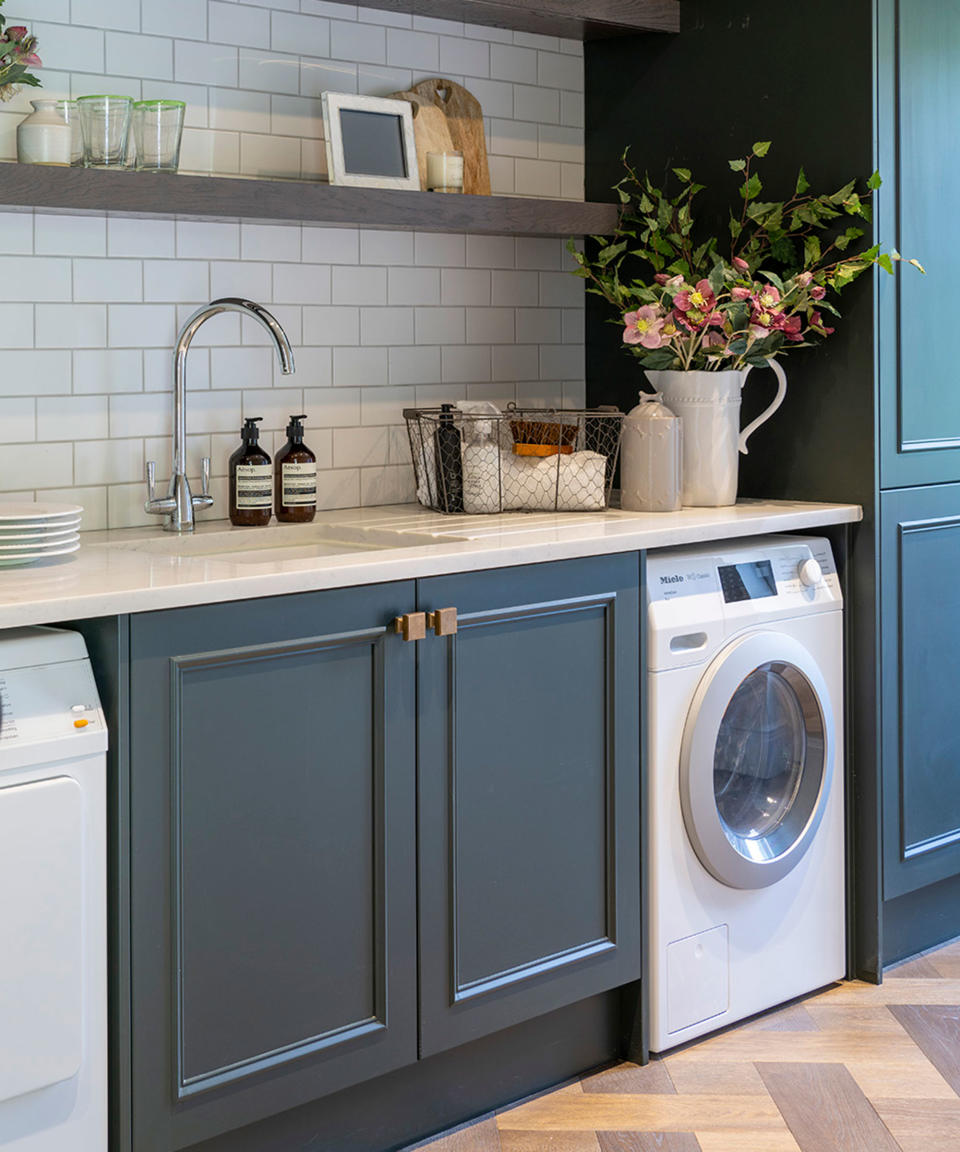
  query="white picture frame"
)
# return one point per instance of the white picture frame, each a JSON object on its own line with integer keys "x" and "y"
{"x": 338, "y": 167}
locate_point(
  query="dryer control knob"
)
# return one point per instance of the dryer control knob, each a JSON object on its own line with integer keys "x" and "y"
{"x": 810, "y": 572}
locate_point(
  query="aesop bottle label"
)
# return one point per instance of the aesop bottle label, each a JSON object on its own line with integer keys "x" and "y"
{"x": 299, "y": 484}
{"x": 254, "y": 486}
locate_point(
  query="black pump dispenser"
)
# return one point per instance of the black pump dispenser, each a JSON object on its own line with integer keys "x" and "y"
{"x": 295, "y": 428}
{"x": 250, "y": 433}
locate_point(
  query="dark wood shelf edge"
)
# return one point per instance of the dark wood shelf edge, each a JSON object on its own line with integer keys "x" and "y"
{"x": 572, "y": 19}
{"x": 79, "y": 190}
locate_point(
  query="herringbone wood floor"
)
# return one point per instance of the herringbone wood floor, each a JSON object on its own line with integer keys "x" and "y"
{"x": 857, "y": 1068}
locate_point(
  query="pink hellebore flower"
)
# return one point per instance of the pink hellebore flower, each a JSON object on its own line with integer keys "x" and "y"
{"x": 740, "y": 264}
{"x": 768, "y": 298}
{"x": 712, "y": 340}
{"x": 817, "y": 292}
{"x": 804, "y": 278}
{"x": 16, "y": 32}
{"x": 662, "y": 278}
{"x": 792, "y": 328}
{"x": 643, "y": 327}
{"x": 740, "y": 293}
{"x": 699, "y": 299}
{"x": 816, "y": 322}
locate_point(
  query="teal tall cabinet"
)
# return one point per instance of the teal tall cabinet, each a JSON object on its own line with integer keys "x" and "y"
{"x": 871, "y": 416}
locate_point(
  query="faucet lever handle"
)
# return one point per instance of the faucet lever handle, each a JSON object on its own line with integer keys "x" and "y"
{"x": 205, "y": 476}
{"x": 151, "y": 479}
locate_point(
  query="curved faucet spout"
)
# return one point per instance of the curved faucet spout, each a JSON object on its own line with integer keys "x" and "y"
{"x": 179, "y": 505}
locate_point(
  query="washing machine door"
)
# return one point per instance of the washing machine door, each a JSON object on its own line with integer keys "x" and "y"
{"x": 756, "y": 760}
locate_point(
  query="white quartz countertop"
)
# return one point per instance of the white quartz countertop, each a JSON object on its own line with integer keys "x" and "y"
{"x": 142, "y": 570}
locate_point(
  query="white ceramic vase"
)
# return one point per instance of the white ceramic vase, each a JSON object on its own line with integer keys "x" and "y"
{"x": 44, "y": 137}
{"x": 709, "y": 405}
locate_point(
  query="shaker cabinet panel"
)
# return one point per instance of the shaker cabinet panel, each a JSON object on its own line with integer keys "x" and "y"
{"x": 529, "y": 794}
{"x": 919, "y": 74}
{"x": 920, "y": 642}
{"x": 272, "y": 877}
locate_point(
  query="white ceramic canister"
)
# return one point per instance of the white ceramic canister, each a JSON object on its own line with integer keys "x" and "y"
{"x": 709, "y": 405}
{"x": 651, "y": 456}
{"x": 44, "y": 137}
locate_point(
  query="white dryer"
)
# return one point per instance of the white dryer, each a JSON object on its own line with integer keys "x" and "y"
{"x": 745, "y": 814}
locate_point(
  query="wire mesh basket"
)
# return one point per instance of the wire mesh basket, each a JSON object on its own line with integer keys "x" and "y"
{"x": 523, "y": 460}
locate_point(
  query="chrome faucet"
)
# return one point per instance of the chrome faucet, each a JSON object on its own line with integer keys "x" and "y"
{"x": 179, "y": 505}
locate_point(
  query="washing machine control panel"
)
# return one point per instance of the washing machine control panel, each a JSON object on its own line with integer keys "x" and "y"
{"x": 770, "y": 573}
{"x": 46, "y": 702}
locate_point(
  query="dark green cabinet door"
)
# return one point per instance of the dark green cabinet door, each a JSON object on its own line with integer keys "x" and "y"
{"x": 919, "y": 92}
{"x": 920, "y": 683}
{"x": 529, "y": 794}
{"x": 272, "y": 857}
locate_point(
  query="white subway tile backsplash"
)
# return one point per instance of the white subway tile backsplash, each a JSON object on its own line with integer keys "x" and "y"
{"x": 140, "y": 325}
{"x": 102, "y": 371}
{"x": 386, "y": 326}
{"x": 71, "y": 418}
{"x": 331, "y": 326}
{"x": 16, "y": 325}
{"x": 305, "y": 35}
{"x": 364, "y": 286}
{"x": 467, "y": 286}
{"x": 332, "y": 407}
{"x": 419, "y": 364}
{"x": 144, "y": 56}
{"x": 175, "y": 280}
{"x": 359, "y": 367}
{"x": 39, "y": 466}
{"x": 264, "y": 70}
{"x": 385, "y": 247}
{"x": 140, "y": 237}
{"x": 18, "y": 419}
{"x": 199, "y": 63}
{"x": 301, "y": 284}
{"x": 413, "y": 286}
{"x": 440, "y": 325}
{"x": 42, "y": 278}
{"x": 379, "y": 320}
{"x": 108, "y": 461}
{"x": 364, "y": 43}
{"x": 238, "y": 24}
{"x": 71, "y": 325}
{"x": 35, "y": 372}
{"x": 468, "y": 58}
{"x": 207, "y": 240}
{"x": 56, "y": 235}
{"x": 186, "y": 18}
{"x": 417, "y": 50}
{"x": 513, "y": 63}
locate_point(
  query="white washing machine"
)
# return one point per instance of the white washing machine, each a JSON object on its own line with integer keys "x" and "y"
{"x": 53, "y": 958}
{"x": 745, "y": 819}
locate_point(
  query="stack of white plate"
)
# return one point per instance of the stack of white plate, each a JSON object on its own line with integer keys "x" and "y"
{"x": 32, "y": 532}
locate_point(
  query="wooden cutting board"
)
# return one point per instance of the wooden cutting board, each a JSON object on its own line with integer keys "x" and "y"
{"x": 465, "y": 120}
{"x": 430, "y": 130}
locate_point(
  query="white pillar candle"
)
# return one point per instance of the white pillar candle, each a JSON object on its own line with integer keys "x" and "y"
{"x": 445, "y": 171}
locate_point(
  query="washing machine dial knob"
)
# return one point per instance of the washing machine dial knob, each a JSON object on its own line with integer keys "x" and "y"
{"x": 810, "y": 572}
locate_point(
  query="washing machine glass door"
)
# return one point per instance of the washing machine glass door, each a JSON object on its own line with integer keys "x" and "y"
{"x": 757, "y": 760}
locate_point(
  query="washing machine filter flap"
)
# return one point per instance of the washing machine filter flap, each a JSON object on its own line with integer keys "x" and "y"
{"x": 757, "y": 760}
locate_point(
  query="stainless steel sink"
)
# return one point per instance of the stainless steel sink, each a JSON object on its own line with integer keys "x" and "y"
{"x": 278, "y": 543}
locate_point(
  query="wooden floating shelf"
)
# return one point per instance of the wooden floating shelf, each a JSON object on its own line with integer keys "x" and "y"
{"x": 573, "y": 19}
{"x": 293, "y": 202}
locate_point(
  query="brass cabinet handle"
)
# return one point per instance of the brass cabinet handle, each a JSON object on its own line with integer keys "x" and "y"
{"x": 411, "y": 626}
{"x": 443, "y": 621}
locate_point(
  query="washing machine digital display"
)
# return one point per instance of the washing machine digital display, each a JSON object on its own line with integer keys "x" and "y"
{"x": 751, "y": 581}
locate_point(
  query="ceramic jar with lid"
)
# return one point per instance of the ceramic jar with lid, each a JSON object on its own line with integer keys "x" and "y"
{"x": 44, "y": 137}
{"x": 651, "y": 458}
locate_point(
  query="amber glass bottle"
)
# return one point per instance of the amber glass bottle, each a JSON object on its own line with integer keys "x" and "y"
{"x": 251, "y": 480}
{"x": 295, "y": 477}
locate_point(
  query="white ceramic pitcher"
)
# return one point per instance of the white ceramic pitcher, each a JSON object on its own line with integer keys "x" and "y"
{"x": 709, "y": 405}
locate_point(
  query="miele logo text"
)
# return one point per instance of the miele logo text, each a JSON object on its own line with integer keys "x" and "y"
{"x": 671, "y": 579}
